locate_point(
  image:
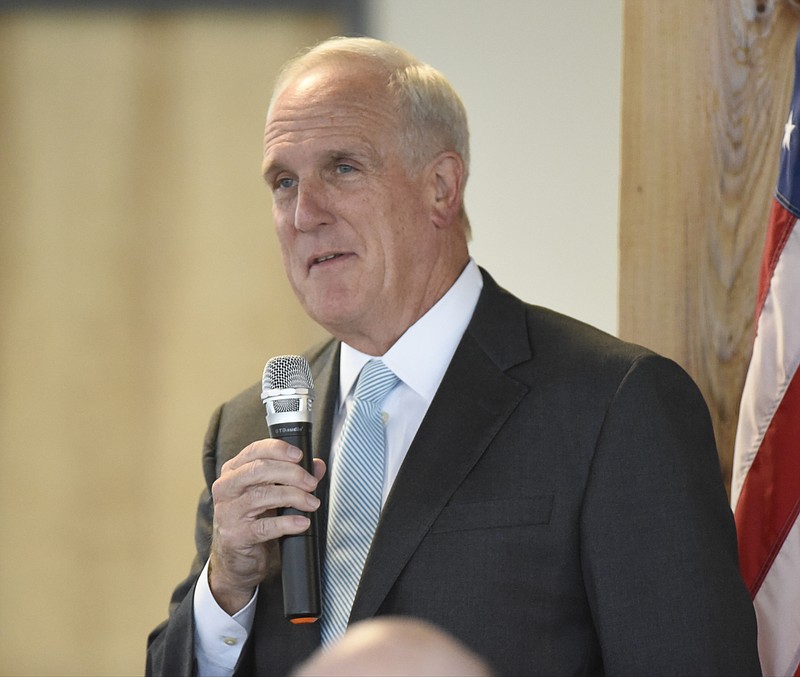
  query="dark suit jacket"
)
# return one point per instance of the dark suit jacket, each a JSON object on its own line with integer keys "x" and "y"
{"x": 560, "y": 510}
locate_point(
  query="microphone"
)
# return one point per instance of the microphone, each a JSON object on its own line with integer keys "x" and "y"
{"x": 287, "y": 390}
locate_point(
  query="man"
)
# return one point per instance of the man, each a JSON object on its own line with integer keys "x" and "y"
{"x": 551, "y": 495}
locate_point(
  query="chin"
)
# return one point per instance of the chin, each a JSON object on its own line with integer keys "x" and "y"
{"x": 331, "y": 315}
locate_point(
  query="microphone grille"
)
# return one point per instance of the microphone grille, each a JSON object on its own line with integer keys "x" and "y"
{"x": 287, "y": 371}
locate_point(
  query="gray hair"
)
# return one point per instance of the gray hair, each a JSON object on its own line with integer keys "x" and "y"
{"x": 434, "y": 116}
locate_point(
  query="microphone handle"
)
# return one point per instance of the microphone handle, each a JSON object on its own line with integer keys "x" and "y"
{"x": 300, "y": 553}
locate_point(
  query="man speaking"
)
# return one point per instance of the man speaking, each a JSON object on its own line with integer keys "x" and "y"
{"x": 545, "y": 493}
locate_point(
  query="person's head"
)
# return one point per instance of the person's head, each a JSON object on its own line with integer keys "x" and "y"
{"x": 395, "y": 646}
{"x": 366, "y": 153}
{"x": 430, "y": 115}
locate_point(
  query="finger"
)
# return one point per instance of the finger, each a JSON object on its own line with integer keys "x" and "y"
{"x": 234, "y": 482}
{"x": 238, "y": 534}
{"x": 320, "y": 468}
{"x": 269, "y": 528}
{"x": 277, "y": 450}
{"x": 261, "y": 498}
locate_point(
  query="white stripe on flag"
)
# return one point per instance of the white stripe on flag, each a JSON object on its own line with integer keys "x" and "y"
{"x": 776, "y": 355}
{"x": 778, "y": 610}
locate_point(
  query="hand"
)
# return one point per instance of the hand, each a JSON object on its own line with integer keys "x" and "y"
{"x": 251, "y": 487}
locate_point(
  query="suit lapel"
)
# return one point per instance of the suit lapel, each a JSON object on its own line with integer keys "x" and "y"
{"x": 473, "y": 402}
{"x": 325, "y": 369}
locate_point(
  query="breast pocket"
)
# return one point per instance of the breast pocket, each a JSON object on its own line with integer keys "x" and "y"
{"x": 497, "y": 514}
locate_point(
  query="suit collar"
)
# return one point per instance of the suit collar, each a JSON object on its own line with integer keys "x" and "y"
{"x": 500, "y": 327}
{"x": 325, "y": 370}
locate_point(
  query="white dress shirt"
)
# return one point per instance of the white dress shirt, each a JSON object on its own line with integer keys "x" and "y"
{"x": 419, "y": 358}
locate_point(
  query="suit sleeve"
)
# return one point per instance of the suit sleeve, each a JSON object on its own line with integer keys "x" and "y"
{"x": 658, "y": 542}
{"x": 170, "y": 647}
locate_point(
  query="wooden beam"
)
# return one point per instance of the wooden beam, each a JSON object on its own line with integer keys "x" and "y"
{"x": 706, "y": 87}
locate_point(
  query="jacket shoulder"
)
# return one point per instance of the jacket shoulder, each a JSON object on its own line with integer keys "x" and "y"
{"x": 515, "y": 333}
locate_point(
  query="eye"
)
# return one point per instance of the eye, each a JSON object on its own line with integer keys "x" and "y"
{"x": 344, "y": 168}
{"x": 285, "y": 182}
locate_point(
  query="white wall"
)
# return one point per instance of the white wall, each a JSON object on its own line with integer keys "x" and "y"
{"x": 541, "y": 83}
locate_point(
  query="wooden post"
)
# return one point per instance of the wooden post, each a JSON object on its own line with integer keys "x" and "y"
{"x": 706, "y": 88}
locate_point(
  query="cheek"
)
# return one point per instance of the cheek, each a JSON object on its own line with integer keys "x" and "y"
{"x": 282, "y": 216}
{"x": 288, "y": 256}
{"x": 406, "y": 239}
{"x": 284, "y": 232}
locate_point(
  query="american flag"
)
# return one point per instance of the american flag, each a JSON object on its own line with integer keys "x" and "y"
{"x": 765, "y": 488}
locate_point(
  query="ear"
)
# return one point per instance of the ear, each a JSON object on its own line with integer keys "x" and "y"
{"x": 446, "y": 174}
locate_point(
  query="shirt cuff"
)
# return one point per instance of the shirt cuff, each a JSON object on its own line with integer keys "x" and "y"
{"x": 218, "y": 637}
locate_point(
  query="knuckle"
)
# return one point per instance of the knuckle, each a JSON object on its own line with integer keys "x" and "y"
{"x": 217, "y": 489}
{"x": 261, "y": 528}
{"x": 261, "y": 495}
{"x": 257, "y": 470}
{"x": 264, "y": 529}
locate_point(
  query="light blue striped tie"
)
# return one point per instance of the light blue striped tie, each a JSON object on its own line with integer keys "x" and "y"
{"x": 355, "y": 497}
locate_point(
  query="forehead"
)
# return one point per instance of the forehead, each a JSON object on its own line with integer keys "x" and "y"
{"x": 331, "y": 103}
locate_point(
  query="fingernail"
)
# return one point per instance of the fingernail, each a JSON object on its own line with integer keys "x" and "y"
{"x": 312, "y": 502}
{"x": 295, "y": 454}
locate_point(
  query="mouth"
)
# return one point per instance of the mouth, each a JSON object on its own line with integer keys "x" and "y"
{"x": 325, "y": 258}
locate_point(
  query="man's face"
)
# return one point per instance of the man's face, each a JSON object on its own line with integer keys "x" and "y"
{"x": 353, "y": 224}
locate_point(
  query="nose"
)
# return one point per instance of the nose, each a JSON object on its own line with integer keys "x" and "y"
{"x": 312, "y": 208}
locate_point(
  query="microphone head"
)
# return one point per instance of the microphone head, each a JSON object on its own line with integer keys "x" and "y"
{"x": 287, "y": 389}
{"x": 287, "y": 371}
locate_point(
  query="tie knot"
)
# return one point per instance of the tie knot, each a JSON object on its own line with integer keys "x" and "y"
{"x": 374, "y": 382}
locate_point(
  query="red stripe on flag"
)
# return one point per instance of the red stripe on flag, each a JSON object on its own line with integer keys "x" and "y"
{"x": 781, "y": 222}
{"x": 770, "y": 498}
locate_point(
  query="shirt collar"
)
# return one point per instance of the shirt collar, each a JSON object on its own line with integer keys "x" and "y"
{"x": 422, "y": 354}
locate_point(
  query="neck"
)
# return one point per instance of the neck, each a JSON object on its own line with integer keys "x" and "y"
{"x": 376, "y": 340}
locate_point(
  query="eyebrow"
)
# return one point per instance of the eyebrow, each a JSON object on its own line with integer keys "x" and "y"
{"x": 271, "y": 168}
{"x": 364, "y": 153}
